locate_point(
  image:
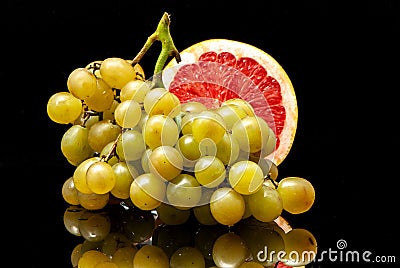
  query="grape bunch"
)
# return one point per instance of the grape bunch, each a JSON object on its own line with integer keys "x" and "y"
{"x": 134, "y": 144}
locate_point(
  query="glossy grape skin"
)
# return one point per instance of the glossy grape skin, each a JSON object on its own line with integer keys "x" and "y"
{"x": 266, "y": 204}
{"x": 187, "y": 257}
{"x": 147, "y": 191}
{"x": 100, "y": 177}
{"x": 150, "y": 256}
{"x": 245, "y": 177}
{"x": 184, "y": 192}
{"x": 93, "y": 201}
{"x": 160, "y": 130}
{"x": 75, "y": 146}
{"x": 102, "y": 99}
{"x": 135, "y": 90}
{"x": 171, "y": 215}
{"x": 63, "y": 108}
{"x": 91, "y": 258}
{"x": 209, "y": 171}
{"x": 297, "y": 194}
{"x": 123, "y": 257}
{"x": 231, "y": 113}
{"x": 161, "y": 101}
{"x": 69, "y": 192}
{"x": 81, "y": 83}
{"x": 229, "y": 250}
{"x": 137, "y": 225}
{"x": 227, "y": 206}
{"x": 205, "y": 237}
{"x": 79, "y": 175}
{"x": 117, "y": 72}
{"x": 94, "y": 226}
{"x": 300, "y": 247}
{"x": 102, "y": 133}
{"x": 165, "y": 162}
{"x": 130, "y": 145}
{"x": 208, "y": 124}
{"x": 124, "y": 176}
{"x": 127, "y": 114}
{"x": 71, "y": 219}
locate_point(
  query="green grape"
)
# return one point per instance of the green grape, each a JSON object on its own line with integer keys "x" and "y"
{"x": 107, "y": 150}
{"x": 71, "y": 219}
{"x": 138, "y": 225}
{"x": 247, "y": 211}
{"x": 94, "y": 226}
{"x": 117, "y": 72}
{"x": 134, "y": 90}
{"x": 75, "y": 146}
{"x": 229, "y": 250}
{"x": 102, "y": 133}
{"x": 263, "y": 241}
{"x": 266, "y": 204}
{"x": 113, "y": 241}
{"x": 202, "y": 212}
{"x": 145, "y": 160}
{"x": 270, "y": 146}
{"x": 165, "y": 162}
{"x": 69, "y": 192}
{"x": 149, "y": 256}
{"x": 228, "y": 149}
{"x": 93, "y": 201}
{"x": 187, "y": 257}
{"x": 193, "y": 107}
{"x": 124, "y": 176}
{"x": 106, "y": 264}
{"x": 91, "y": 258}
{"x": 81, "y": 83}
{"x": 142, "y": 121}
{"x": 109, "y": 113}
{"x": 76, "y": 255}
{"x": 252, "y": 133}
{"x": 300, "y": 247}
{"x": 269, "y": 168}
{"x": 171, "y": 215}
{"x": 297, "y": 194}
{"x": 231, "y": 113}
{"x": 162, "y": 102}
{"x": 123, "y": 257}
{"x": 208, "y": 124}
{"x": 186, "y": 123}
{"x": 227, "y": 206}
{"x": 130, "y": 145}
{"x": 128, "y": 113}
{"x": 63, "y": 108}
{"x": 184, "y": 191}
{"x": 100, "y": 177}
{"x": 160, "y": 130}
{"x": 189, "y": 148}
{"x": 242, "y": 104}
{"x": 147, "y": 191}
{"x": 245, "y": 177}
{"x": 209, "y": 171}
{"x": 79, "y": 175}
{"x": 103, "y": 97}
{"x": 205, "y": 237}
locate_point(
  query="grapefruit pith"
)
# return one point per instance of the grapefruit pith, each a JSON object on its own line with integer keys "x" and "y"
{"x": 216, "y": 70}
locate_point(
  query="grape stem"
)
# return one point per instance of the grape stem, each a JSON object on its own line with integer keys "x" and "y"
{"x": 112, "y": 150}
{"x": 168, "y": 48}
{"x": 268, "y": 177}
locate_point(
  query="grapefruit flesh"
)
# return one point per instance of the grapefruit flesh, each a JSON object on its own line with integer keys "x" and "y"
{"x": 216, "y": 70}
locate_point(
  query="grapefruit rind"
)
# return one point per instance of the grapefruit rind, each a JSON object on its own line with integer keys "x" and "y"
{"x": 274, "y": 69}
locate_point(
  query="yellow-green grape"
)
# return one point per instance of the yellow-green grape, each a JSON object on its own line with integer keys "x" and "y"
{"x": 123, "y": 257}
{"x": 150, "y": 256}
{"x": 269, "y": 168}
{"x": 193, "y": 107}
{"x": 140, "y": 75}
{"x": 252, "y": 133}
{"x": 247, "y": 211}
{"x": 76, "y": 255}
{"x": 184, "y": 191}
{"x": 189, "y": 148}
{"x": 106, "y": 264}
{"x": 113, "y": 241}
{"x": 107, "y": 150}
{"x": 93, "y": 201}
{"x": 165, "y": 162}
{"x": 209, "y": 171}
{"x": 94, "y": 226}
{"x": 117, "y": 72}
{"x": 130, "y": 145}
{"x": 91, "y": 258}
{"x": 186, "y": 123}
{"x": 128, "y": 114}
{"x": 161, "y": 101}
{"x": 245, "y": 177}
{"x": 227, "y": 206}
{"x": 242, "y": 104}
{"x": 69, "y": 192}
{"x": 202, "y": 212}
{"x": 81, "y": 83}
{"x": 124, "y": 176}
{"x": 80, "y": 175}
{"x": 205, "y": 237}
{"x": 71, "y": 219}
{"x": 102, "y": 133}
{"x": 297, "y": 194}
{"x": 147, "y": 191}
{"x": 231, "y": 113}
{"x": 171, "y": 215}
{"x": 263, "y": 241}
{"x": 251, "y": 264}
{"x": 89, "y": 245}
{"x": 145, "y": 160}
{"x": 208, "y": 124}
{"x": 75, "y": 145}
{"x": 270, "y": 145}
{"x": 135, "y": 90}
{"x": 266, "y": 204}
{"x": 100, "y": 177}
{"x": 160, "y": 130}
{"x": 188, "y": 257}
{"x": 109, "y": 113}
{"x": 300, "y": 247}
{"x": 229, "y": 250}
{"x": 228, "y": 149}
{"x": 142, "y": 121}
{"x": 64, "y": 108}
{"x": 103, "y": 97}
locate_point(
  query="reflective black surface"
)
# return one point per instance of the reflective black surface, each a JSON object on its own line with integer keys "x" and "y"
{"x": 343, "y": 62}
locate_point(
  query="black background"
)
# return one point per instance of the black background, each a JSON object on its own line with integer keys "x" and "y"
{"x": 342, "y": 58}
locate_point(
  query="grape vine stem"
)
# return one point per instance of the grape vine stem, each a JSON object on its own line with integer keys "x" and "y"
{"x": 168, "y": 48}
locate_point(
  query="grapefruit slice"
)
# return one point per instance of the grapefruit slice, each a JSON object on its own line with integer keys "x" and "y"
{"x": 216, "y": 70}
